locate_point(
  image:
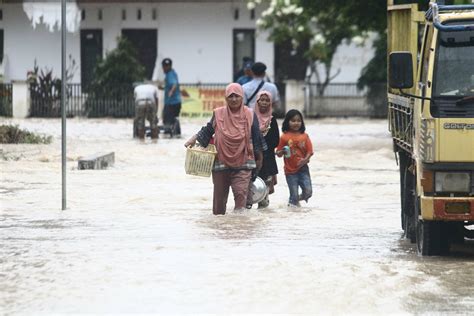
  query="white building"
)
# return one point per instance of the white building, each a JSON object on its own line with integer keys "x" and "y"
{"x": 206, "y": 39}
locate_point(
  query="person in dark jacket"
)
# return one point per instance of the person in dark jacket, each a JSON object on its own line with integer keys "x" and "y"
{"x": 269, "y": 128}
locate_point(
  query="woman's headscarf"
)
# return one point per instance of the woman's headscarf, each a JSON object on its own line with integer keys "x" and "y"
{"x": 233, "y": 131}
{"x": 264, "y": 119}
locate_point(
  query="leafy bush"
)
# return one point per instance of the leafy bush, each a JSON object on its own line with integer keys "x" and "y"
{"x": 45, "y": 90}
{"x": 111, "y": 91}
{"x": 12, "y": 134}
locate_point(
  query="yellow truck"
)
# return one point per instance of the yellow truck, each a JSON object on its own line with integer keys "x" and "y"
{"x": 431, "y": 120}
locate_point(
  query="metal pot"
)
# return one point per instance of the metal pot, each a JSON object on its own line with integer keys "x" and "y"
{"x": 258, "y": 190}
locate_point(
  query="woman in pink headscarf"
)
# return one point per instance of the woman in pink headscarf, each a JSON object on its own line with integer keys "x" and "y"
{"x": 239, "y": 145}
{"x": 269, "y": 128}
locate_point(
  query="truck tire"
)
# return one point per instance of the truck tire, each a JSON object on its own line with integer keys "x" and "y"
{"x": 431, "y": 236}
{"x": 402, "y": 164}
{"x": 134, "y": 128}
{"x": 408, "y": 205}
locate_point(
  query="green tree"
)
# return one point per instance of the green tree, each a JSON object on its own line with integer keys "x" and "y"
{"x": 317, "y": 25}
{"x": 325, "y": 25}
{"x": 120, "y": 69}
{"x": 111, "y": 90}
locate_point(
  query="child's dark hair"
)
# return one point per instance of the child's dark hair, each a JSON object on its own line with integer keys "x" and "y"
{"x": 286, "y": 122}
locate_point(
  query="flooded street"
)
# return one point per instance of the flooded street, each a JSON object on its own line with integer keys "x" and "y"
{"x": 140, "y": 237}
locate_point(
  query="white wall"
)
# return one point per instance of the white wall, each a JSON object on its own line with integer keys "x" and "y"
{"x": 23, "y": 44}
{"x": 350, "y": 59}
{"x": 197, "y": 36}
{"x": 208, "y": 41}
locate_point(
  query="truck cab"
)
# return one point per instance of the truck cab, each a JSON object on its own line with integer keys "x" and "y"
{"x": 431, "y": 118}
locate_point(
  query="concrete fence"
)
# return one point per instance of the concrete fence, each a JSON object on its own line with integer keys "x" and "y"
{"x": 338, "y": 100}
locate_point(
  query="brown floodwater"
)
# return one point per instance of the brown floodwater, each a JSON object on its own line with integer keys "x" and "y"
{"x": 140, "y": 238}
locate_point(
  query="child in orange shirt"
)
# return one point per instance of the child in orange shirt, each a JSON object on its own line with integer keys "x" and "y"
{"x": 297, "y": 148}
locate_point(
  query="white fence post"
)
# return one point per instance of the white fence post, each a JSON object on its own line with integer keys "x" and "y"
{"x": 294, "y": 95}
{"x": 20, "y": 99}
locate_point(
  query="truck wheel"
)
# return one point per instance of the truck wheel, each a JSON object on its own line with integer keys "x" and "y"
{"x": 134, "y": 128}
{"x": 431, "y": 239}
{"x": 425, "y": 240}
{"x": 410, "y": 230}
{"x": 409, "y": 205}
{"x": 404, "y": 220}
{"x": 426, "y": 243}
{"x": 402, "y": 161}
{"x": 431, "y": 236}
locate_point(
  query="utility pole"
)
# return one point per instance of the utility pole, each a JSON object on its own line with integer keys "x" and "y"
{"x": 63, "y": 102}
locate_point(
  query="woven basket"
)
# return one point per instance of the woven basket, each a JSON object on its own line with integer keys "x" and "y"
{"x": 199, "y": 160}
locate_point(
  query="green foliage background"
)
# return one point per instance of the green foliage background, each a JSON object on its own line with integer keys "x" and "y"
{"x": 337, "y": 21}
{"x": 111, "y": 91}
{"x": 119, "y": 69}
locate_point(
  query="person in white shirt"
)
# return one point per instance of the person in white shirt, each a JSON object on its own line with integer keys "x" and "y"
{"x": 257, "y": 84}
{"x": 146, "y": 106}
